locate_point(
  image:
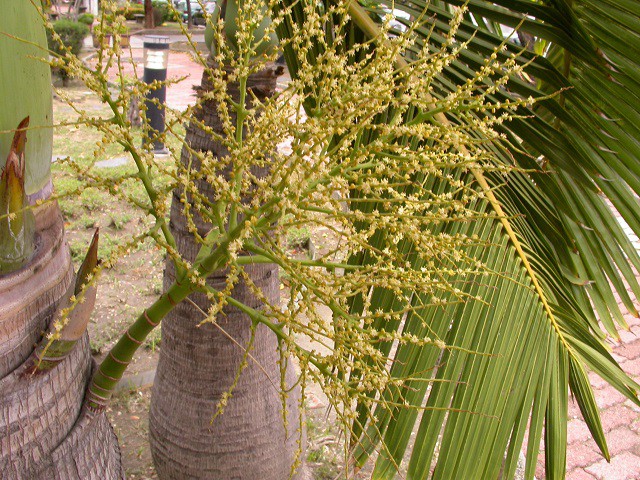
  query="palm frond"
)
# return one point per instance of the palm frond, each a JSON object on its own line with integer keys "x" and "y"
{"x": 537, "y": 322}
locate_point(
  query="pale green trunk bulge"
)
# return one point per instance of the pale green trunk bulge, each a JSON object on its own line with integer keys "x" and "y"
{"x": 25, "y": 87}
{"x": 44, "y": 431}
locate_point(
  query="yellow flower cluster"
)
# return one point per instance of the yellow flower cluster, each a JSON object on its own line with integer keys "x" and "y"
{"x": 366, "y": 161}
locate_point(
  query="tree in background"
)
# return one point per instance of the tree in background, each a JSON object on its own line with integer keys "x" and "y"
{"x": 189, "y": 13}
{"x": 148, "y": 14}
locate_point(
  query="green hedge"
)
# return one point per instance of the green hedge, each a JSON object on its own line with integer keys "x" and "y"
{"x": 86, "y": 18}
{"x": 161, "y": 10}
{"x": 162, "y": 13}
{"x": 129, "y": 11}
{"x": 71, "y": 33}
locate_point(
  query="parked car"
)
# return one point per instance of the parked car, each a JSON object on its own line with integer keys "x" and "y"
{"x": 197, "y": 15}
{"x": 199, "y": 18}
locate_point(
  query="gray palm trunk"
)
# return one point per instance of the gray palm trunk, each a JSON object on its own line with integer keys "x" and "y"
{"x": 198, "y": 363}
{"x": 45, "y": 432}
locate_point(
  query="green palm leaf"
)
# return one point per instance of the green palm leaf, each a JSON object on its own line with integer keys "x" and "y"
{"x": 559, "y": 250}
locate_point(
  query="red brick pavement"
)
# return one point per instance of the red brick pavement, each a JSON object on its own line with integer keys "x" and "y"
{"x": 181, "y": 67}
{"x": 620, "y": 418}
{"x": 620, "y": 421}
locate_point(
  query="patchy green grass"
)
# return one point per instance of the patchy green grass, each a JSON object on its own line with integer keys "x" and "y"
{"x": 298, "y": 237}
{"x": 324, "y": 452}
{"x": 119, "y": 220}
{"x": 153, "y": 341}
{"x": 109, "y": 198}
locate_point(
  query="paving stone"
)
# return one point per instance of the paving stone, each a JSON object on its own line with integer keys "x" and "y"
{"x": 632, "y": 368}
{"x": 625, "y": 466}
{"x": 577, "y": 432}
{"x": 57, "y": 158}
{"x": 579, "y": 474}
{"x": 581, "y": 455}
{"x": 621, "y": 439}
{"x": 627, "y": 336}
{"x": 629, "y": 404}
{"x": 607, "y": 397}
{"x": 596, "y": 381}
{"x": 112, "y": 162}
{"x": 616, "y": 355}
{"x": 621, "y": 421}
{"x": 632, "y": 320}
{"x": 574, "y": 410}
{"x": 180, "y": 92}
{"x": 616, "y": 416}
{"x": 630, "y": 351}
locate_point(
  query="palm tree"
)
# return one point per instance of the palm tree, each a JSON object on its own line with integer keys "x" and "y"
{"x": 46, "y": 432}
{"x": 507, "y": 356}
{"x": 148, "y": 14}
{"x": 199, "y": 364}
{"x": 527, "y": 335}
{"x": 552, "y": 231}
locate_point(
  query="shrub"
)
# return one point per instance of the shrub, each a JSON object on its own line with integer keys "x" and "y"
{"x": 71, "y": 33}
{"x": 159, "y": 12}
{"x": 86, "y": 18}
{"x": 162, "y": 13}
{"x": 129, "y": 11}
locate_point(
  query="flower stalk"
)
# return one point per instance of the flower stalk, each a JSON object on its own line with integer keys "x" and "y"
{"x": 72, "y": 317}
{"x": 114, "y": 365}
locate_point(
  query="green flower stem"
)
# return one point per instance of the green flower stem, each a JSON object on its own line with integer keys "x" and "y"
{"x": 258, "y": 317}
{"x": 336, "y": 309}
{"x": 45, "y": 358}
{"x": 146, "y": 181}
{"x": 339, "y": 169}
{"x": 241, "y": 115}
{"x": 253, "y": 259}
{"x": 114, "y": 365}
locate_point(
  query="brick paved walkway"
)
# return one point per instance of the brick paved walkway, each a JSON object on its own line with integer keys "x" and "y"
{"x": 181, "y": 66}
{"x": 620, "y": 418}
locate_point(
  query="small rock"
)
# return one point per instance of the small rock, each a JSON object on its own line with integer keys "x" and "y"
{"x": 56, "y": 158}
{"x": 112, "y": 162}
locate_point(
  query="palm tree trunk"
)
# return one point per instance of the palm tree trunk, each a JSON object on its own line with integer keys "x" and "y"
{"x": 198, "y": 363}
{"x": 44, "y": 431}
{"x": 30, "y": 295}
